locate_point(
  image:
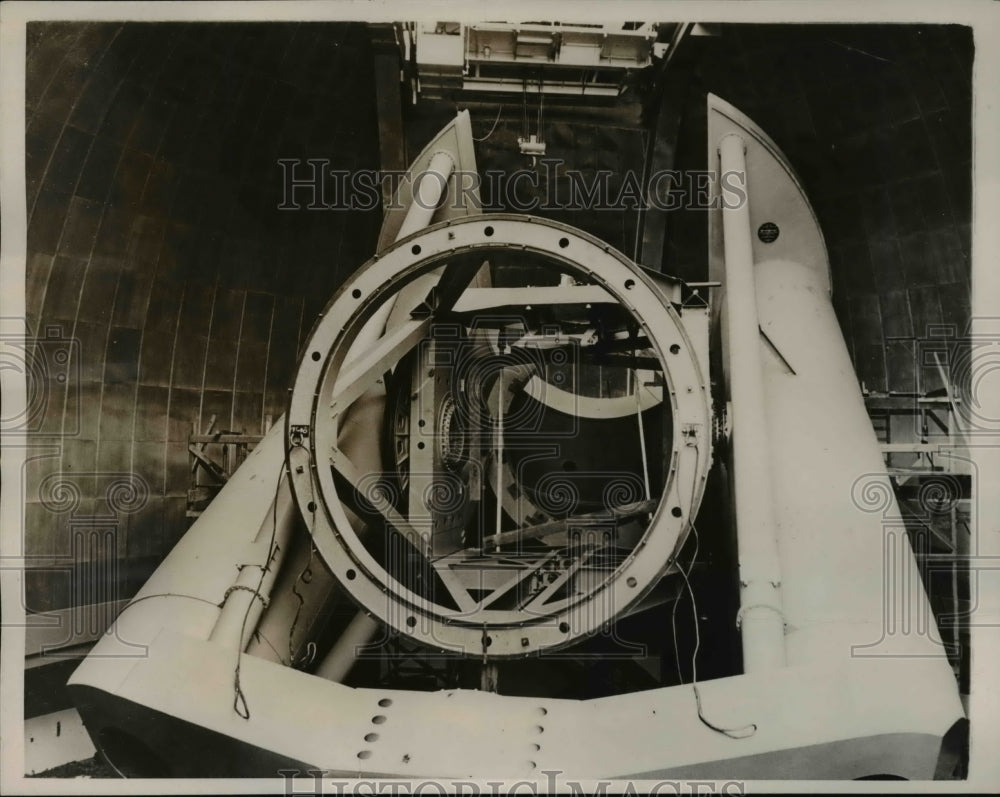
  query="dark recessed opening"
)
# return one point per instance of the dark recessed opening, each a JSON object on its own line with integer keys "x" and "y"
{"x": 130, "y": 757}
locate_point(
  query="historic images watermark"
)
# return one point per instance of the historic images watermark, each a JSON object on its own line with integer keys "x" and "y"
{"x": 49, "y": 363}
{"x": 91, "y": 566}
{"x": 87, "y": 511}
{"x": 310, "y": 184}
{"x": 312, "y": 781}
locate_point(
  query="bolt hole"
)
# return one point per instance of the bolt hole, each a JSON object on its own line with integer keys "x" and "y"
{"x": 488, "y": 232}
{"x": 675, "y": 349}
{"x": 631, "y": 581}
{"x": 385, "y": 702}
{"x": 415, "y": 249}
{"x": 311, "y": 506}
{"x": 411, "y": 621}
{"x": 420, "y": 445}
{"x": 316, "y": 355}
{"x": 564, "y": 627}
{"x": 351, "y": 575}
{"x": 371, "y": 737}
{"x": 356, "y": 293}
{"x": 365, "y": 754}
{"x": 676, "y": 511}
{"x": 629, "y": 284}
{"x": 421, "y": 423}
{"x": 563, "y": 243}
{"x": 378, "y": 719}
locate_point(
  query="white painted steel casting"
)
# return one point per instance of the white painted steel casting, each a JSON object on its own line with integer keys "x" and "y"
{"x": 854, "y": 684}
{"x": 761, "y": 615}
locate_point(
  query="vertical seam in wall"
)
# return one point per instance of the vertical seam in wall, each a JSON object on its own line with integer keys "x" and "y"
{"x": 299, "y": 342}
{"x": 162, "y": 488}
{"x": 62, "y": 232}
{"x": 170, "y": 377}
{"x": 86, "y": 269}
{"x": 76, "y": 318}
{"x": 122, "y": 266}
{"x": 208, "y": 346}
{"x": 267, "y": 360}
{"x": 236, "y": 363}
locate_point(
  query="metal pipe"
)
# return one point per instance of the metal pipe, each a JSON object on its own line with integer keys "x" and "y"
{"x": 500, "y": 398}
{"x": 247, "y": 598}
{"x": 761, "y": 616}
{"x": 636, "y": 386}
{"x": 429, "y": 187}
{"x": 429, "y": 190}
{"x": 338, "y": 662}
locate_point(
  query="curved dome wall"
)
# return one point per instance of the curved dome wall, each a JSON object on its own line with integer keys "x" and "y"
{"x": 155, "y": 243}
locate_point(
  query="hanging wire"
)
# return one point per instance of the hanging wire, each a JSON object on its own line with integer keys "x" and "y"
{"x": 240, "y": 701}
{"x": 541, "y": 107}
{"x": 524, "y": 109}
{"x": 641, "y": 211}
{"x": 733, "y": 733}
{"x": 142, "y": 598}
{"x": 307, "y": 659}
{"x": 495, "y": 122}
{"x": 310, "y": 653}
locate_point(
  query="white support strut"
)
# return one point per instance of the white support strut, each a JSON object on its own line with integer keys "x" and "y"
{"x": 428, "y": 193}
{"x": 761, "y": 617}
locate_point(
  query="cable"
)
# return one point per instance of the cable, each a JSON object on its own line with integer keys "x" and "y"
{"x": 302, "y": 602}
{"x": 306, "y": 660}
{"x": 733, "y": 733}
{"x": 134, "y": 601}
{"x": 495, "y": 122}
{"x": 637, "y": 385}
{"x": 240, "y": 701}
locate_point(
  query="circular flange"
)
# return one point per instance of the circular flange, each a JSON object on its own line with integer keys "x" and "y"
{"x": 319, "y": 470}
